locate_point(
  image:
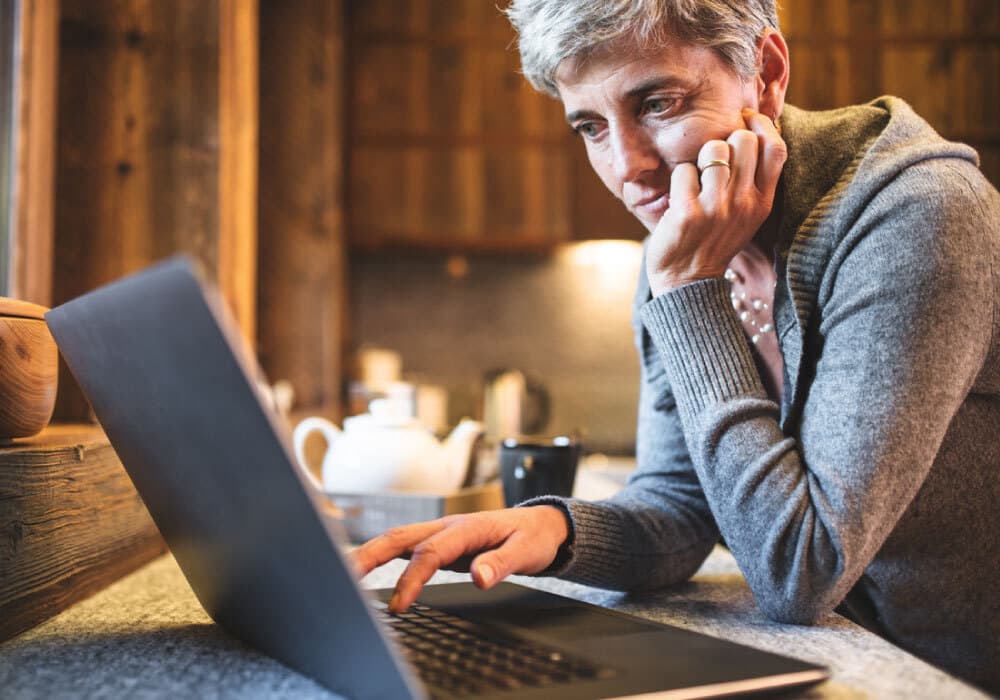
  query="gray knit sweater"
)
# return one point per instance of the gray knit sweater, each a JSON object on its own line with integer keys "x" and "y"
{"x": 875, "y": 484}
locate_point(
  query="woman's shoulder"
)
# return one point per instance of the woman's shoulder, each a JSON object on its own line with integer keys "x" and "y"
{"x": 882, "y": 163}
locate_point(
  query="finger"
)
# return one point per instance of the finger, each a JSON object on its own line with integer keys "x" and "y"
{"x": 772, "y": 149}
{"x": 519, "y": 554}
{"x": 393, "y": 543}
{"x": 461, "y": 564}
{"x": 744, "y": 170}
{"x": 714, "y": 164}
{"x": 462, "y": 536}
{"x": 684, "y": 186}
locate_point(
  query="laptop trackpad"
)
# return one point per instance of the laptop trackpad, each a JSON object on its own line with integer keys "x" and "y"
{"x": 570, "y": 623}
{"x": 531, "y": 611}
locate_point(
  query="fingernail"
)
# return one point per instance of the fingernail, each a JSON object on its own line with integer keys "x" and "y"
{"x": 486, "y": 574}
{"x": 394, "y": 602}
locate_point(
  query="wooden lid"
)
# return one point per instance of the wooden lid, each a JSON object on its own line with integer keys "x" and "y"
{"x": 21, "y": 309}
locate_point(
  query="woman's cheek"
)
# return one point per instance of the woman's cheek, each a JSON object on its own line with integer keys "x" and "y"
{"x": 680, "y": 143}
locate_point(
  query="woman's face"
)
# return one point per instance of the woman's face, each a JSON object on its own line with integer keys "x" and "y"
{"x": 640, "y": 116}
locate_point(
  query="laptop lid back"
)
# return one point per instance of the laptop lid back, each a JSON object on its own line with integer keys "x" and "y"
{"x": 161, "y": 361}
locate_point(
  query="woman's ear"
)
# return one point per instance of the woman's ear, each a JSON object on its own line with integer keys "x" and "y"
{"x": 772, "y": 76}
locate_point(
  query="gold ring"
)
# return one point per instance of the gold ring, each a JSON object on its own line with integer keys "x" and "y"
{"x": 717, "y": 163}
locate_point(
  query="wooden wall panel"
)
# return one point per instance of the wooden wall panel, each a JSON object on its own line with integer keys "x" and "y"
{"x": 143, "y": 169}
{"x": 301, "y": 304}
{"x": 437, "y": 102}
{"x": 941, "y": 56}
{"x": 423, "y": 56}
{"x": 909, "y": 18}
{"x": 461, "y": 71}
{"x": 389, "y": 90}
{"x": 463, "y": 20}
{"x": 138, "y": 137}
{"x": 982, "y": 18}
{"x": 808, "y": 81}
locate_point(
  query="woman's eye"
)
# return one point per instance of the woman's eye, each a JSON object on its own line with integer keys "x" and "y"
{"x": 660, "y": 105}
{"x": 587, "y": 129}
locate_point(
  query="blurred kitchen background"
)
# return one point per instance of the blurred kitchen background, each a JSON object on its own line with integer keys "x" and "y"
{"x": 372, "y": 181}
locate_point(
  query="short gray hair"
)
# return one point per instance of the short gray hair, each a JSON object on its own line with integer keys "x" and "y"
{"x": 550, "y": 31}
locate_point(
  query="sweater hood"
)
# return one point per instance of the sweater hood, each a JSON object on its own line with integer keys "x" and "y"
{"x": 863, "y": 146}
{"x": 838, "y": 161}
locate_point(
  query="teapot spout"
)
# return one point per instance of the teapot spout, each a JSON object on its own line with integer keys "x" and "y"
{"x": 460, "y": 453}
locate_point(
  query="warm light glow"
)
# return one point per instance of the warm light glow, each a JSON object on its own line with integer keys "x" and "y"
{"x": 616, "y": 254}
{"x": 457, "y": 266}
{"x": 609, "y": 267}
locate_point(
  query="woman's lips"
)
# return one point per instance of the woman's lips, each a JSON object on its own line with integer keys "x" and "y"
{"x": 653, "y": 207}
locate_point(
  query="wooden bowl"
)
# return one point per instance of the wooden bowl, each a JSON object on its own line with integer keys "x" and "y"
{"x": 29, "y": 369}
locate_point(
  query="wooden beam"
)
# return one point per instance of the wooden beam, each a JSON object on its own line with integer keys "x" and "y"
{"x": 157, "y": 148}
{"x": 34, "y": 180}
{"x": 238, "y": 119}
{"x": 70, "y": 524}
{"x": 302, "y": 268}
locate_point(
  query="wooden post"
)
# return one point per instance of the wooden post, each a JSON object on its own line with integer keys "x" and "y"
{"x": 34, "y": 154}
{"x": 301, "y": 296}
{"x": 238, "y": 159}
{"x": 157, "y": 147}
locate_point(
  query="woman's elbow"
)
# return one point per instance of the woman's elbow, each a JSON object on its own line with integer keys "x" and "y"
{"x": 800, "y": 590}
{"x": 795, "y": 609}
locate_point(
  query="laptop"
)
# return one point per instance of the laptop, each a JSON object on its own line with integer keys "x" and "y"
{"x": 175, "y": 389}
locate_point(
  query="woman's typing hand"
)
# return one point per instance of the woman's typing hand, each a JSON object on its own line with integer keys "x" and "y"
{"x": 491, "y": 545}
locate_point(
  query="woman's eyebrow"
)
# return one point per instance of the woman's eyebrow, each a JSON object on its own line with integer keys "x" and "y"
{"x": 581, "y": 114}
{"x": 659, "y": 83}
{"x": 645, "y": 87}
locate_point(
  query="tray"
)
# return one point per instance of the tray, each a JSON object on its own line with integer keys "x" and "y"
{"x": 369, "y": 514}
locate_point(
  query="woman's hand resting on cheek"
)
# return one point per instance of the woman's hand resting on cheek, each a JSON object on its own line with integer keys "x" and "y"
{"x": 499, "y": 543}
{"x": 716, "y": 209}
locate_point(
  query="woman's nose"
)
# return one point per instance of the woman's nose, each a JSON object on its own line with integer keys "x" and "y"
{"x": 633, "y": 153}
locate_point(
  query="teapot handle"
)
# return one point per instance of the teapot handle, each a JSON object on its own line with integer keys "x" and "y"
{"x": 302, "y": 431}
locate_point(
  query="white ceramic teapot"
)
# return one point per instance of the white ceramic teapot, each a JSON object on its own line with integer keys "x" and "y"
{"x": 388, "y": 450}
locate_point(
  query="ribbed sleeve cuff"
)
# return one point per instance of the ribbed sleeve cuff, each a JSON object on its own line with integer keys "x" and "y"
{"x": 593, "y": 553}
{"x": 701, "y": 341}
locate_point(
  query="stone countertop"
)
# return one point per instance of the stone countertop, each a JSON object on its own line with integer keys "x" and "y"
{"x": 146, "y": 636}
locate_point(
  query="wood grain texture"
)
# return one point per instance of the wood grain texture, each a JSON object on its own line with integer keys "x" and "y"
{"x": 21, "y": 309}
{"x": 138, "y": 159}
{"x": 70, "y": 524}
{"x": 138, "y": 175}
{"x": 28, "y": 376}
{"x": 448, "y": 146}
{"x": 442, "y": 123}
{"x": 238, "y": 102}
{"x": 157, "y": 148}
{"x": 302, "y": 304}
{"x": 943, "y": 57}
{"x": 31, "y": 252}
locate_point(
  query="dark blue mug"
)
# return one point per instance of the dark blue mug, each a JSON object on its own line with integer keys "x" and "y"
{"x": 537, "y": 466}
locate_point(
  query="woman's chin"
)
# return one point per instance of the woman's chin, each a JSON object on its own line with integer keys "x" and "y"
{"x": 649, "y": 215}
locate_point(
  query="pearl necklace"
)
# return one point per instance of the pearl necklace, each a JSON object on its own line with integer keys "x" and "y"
{"x": 750, "y": 310}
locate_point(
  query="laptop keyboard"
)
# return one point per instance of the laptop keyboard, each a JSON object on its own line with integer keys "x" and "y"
{"x": 457, "y": 657}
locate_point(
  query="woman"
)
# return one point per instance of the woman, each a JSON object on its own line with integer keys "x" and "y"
{"x": 819, "y": 335}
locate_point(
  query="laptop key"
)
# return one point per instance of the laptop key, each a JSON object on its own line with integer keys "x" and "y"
{"x": 459, "y": 657}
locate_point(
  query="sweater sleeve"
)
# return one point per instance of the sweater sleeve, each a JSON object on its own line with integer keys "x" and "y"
{"x": 658, "y": 529}
{"x": 902, "y": 326}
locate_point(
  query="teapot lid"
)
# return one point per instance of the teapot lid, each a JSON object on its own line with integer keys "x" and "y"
{"x": 386, "y": 413}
